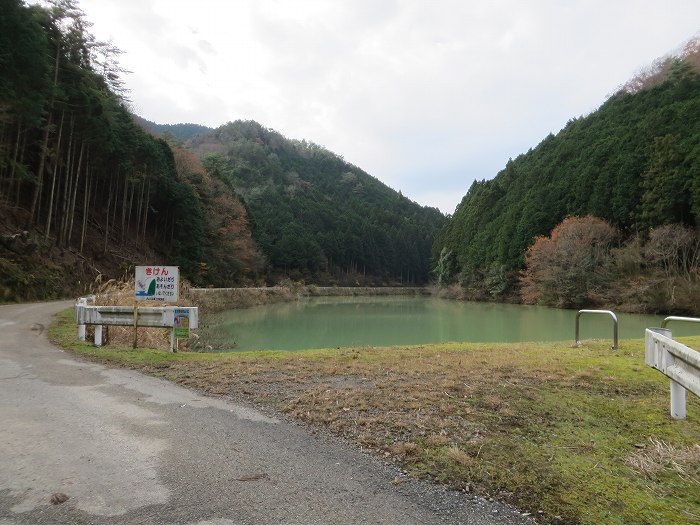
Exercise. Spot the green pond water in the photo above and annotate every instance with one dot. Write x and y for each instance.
(332, 322)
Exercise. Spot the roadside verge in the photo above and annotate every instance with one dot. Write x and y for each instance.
(572, 435)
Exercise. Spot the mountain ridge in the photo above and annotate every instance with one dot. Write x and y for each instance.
(311, 210)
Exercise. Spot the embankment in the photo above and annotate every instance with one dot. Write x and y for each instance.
(218, 299)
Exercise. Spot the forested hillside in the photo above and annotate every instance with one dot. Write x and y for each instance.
(635, 162)
(313, 213)
(83, 189)
(88, 189)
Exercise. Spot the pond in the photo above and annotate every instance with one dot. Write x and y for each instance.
(332, 322)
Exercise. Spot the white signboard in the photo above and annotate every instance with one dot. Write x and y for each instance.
(157, 283)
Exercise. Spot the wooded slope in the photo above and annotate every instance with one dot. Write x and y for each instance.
(314, 212)
(87, 188)
(634, 162)
(83, 189)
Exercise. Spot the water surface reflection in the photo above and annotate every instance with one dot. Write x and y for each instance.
(329, 322)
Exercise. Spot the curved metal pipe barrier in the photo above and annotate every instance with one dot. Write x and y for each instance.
(674, 318)
(607, 312)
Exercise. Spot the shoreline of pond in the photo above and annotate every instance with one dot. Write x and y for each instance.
(221, 299)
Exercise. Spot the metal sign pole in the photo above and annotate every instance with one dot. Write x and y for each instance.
(136, 325)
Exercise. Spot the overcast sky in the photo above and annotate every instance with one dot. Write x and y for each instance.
(427, 96)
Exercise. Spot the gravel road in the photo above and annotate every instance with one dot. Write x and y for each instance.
(131, 449)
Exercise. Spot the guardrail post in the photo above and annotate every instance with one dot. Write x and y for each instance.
(608, 312)
(680, 363)
(136, 327)
(98, 335)
(678, 410)
(678, 402)
(81, 327)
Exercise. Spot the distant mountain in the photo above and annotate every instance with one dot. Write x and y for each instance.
(634, 162)
(312, 212)
(181, 132)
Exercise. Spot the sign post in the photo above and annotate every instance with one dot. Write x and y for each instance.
(181, 326)
(157, 283)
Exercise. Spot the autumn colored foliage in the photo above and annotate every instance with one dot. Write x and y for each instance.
(564, 269)
(583, 263)
(228, 250)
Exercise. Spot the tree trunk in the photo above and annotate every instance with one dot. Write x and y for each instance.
(68, 186)
(75, 191)
(124, 196)
(44, 143)
(53, 180)
(145, 210)
(116, 190)
(13, 168)
(86, 200)
(21, 161)
(131, 205)
(139, 207)
(109, 202)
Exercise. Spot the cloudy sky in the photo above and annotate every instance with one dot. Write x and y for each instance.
(427, 96)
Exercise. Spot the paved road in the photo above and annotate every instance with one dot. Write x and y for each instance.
(131, 449)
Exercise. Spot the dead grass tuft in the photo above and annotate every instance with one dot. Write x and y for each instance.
(437, 440)
(405, 449)
(459, 456)
(661, 457)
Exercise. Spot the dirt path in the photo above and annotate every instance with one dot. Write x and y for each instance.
(126, 448)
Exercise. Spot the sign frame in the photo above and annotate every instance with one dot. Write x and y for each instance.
(157, 282)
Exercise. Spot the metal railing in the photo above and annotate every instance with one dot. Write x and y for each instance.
(159, 317)
(674, 318)
(606, 312)
(678, 362)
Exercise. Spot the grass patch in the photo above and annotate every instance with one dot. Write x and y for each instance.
(582, 434)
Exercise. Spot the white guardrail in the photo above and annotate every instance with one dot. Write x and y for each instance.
(157, 317)
(678, 362)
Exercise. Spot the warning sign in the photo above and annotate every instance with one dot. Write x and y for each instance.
(157, 283)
